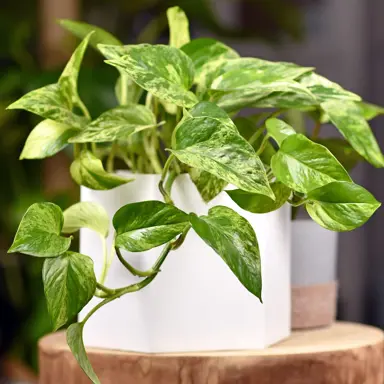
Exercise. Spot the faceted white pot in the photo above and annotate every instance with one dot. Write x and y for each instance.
(314, 276)
(195, 303)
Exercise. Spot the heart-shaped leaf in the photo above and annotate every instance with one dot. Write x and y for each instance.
(76, 344)
(303, 165)
(69, 284)
(279, 130)
(88, 170)
(341, 206)
(145, 225)
(81, 30)
(207, 55)
(207, 139)
(51, 103)
(257, 203)
(39, 232)
(86, 214)
(233, 238)
(208, 185)
(165, 71)
(349, 120)
(325, 90)
(46, 139)
(68, 79)
(178, 27)
(117, 123)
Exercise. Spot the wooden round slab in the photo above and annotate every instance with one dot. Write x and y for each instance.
(345, 353)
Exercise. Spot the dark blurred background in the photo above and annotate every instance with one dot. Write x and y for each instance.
(344, 39)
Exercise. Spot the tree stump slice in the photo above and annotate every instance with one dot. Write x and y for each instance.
(344, 353)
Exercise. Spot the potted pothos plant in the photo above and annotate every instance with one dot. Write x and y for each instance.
(176, 125)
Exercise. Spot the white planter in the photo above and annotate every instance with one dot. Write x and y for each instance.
(314, 275)
(195, 303)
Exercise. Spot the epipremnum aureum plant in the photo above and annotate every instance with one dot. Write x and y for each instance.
(178, 113)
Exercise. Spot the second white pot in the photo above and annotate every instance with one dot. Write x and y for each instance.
(195, 303)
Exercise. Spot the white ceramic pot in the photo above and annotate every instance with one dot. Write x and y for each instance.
(314, 286)
(195, 303)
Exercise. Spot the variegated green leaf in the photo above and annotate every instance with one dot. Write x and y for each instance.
(370, 111)
(69, 284)
(349, 120)
(208, 185)
(164, 71)
(256, 203)
(325, 90)
(111, 52)
(303, 165)
(207, 55)
(341, 206)
(81, 30)
(76, 344)
(86, 214)
(207, 139)
(148, 224)
(50, 102)
(117, 123)
(68, 79)
(233, 238)
(88, 170)
(39, 232)
(178, 27)
(279, 130)
(46, 139)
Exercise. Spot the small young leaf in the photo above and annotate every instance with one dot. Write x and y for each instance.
(325, 90)
(207, 55)
(208, 140)
(88, 170)
(303, 165)
(341, 206)
(81, 30)
(145, 225)
(117, 123)
(257, 203)
(349, 120)
(279, 130)
(178, 27)
(86, 215)
(164, 71)
(69, 284)
(233, 238)
(39, 232)
(46, 139)
(68, 79)
(76, 344)
(208, 185)
(49, 102)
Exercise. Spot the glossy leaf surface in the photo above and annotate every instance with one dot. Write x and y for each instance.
(145, 225)
(39, 232)
(349, 120)
(279, 130)
(233, 238)
(69, 284)
(88, 170)
(46, 139)
(303, 165)
(86, 214)
(207, 139)
(117, 123)
(341, 206)
(208, 185)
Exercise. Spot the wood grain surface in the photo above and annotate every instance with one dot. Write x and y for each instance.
(344, 353)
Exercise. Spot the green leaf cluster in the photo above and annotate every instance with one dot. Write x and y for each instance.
(177, 112)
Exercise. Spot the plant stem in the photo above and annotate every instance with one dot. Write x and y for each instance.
(133, 270)
(263, 145)
(111, 157)
(295, 211)
(297, 203)
(316, 130)
(105, 260)
(166, 196)
(76, 150)
(151, 152)
(256, 135)
(84, 109)
(124, 89)
(103, 288)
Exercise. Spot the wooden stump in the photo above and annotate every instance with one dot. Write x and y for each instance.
(345, 353)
